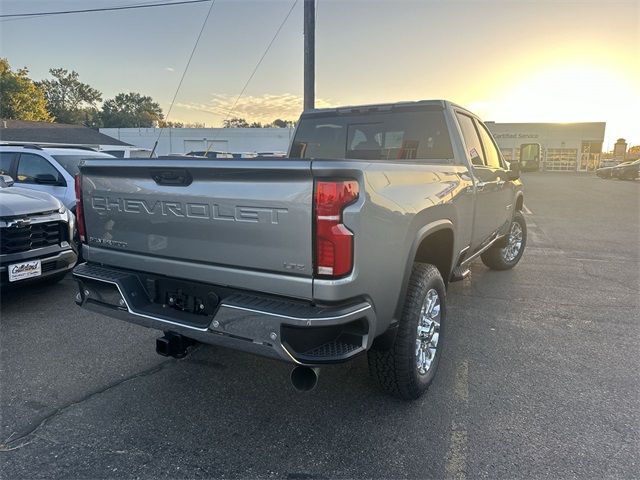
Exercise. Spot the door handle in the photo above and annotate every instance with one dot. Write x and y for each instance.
(174, 177)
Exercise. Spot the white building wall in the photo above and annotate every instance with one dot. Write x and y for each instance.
(183, 140)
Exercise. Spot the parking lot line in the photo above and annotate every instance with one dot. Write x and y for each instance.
(456, 466)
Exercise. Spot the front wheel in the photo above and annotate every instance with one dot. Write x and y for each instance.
(408, 367)
(507, 255)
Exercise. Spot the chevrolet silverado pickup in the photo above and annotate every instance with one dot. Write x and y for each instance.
(344, 247)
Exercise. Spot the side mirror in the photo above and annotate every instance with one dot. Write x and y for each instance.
(514, 171)
(46, 179)
(5, 181)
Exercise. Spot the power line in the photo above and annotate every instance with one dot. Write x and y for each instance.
(184, 72)
(255, 69)
(105, 9)
(42, 15)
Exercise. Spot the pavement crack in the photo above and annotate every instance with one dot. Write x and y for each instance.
(606, 278)
(21, 439)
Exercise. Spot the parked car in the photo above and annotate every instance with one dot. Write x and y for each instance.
(36, 232)
(244, 154)
(604, 172)
(346, 248)
(129, 152)
(209, 154)
(272, 154)
(45, 169)
(627, 170)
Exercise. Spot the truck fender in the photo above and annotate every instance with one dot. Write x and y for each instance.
(519, 201)
(421, 234)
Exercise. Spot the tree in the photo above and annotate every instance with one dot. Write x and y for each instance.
(20, 98)
(235, 122)
(279, 123)
(69, 100)
(129, 110)
(168, 124)
(194, 125)
(171, 124)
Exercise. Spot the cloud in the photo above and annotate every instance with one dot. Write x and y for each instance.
(170, 69)
(260, 108)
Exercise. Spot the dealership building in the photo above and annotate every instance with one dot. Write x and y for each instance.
(564, 146)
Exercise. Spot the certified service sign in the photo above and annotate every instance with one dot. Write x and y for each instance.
(20, 271)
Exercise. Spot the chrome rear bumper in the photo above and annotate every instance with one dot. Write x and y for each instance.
(289, 330)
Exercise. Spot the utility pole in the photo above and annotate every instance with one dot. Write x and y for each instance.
(309, 54)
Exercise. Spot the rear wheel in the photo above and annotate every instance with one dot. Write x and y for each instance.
(407, 369)
(507, 255)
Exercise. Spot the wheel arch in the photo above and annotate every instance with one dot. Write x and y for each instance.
(519, 201)
(434, 243)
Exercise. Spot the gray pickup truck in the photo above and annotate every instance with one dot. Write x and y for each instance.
(345, 246)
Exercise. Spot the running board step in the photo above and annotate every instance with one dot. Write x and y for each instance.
(459, 273)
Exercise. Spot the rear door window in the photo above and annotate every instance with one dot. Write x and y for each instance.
(71, 162)
(388, 135)
(471, 140)
(31, 165)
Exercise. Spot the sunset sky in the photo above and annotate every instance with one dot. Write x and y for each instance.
(509, 61)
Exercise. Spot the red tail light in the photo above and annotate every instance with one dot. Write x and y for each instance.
(334, 241)
(79, 209)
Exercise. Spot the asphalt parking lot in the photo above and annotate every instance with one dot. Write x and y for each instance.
(540, 377)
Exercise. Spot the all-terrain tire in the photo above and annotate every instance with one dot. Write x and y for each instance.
(496, 257)
(396, 369)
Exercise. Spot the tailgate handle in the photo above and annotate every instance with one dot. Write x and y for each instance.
(174, 177)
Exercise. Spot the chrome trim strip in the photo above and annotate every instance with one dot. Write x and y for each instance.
(150, 317)
(54, 216)
(482, 250)
(57, 256)
(222, 305)
(301, 319)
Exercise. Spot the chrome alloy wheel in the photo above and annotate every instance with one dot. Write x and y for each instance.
(428, 331)
(514, 243)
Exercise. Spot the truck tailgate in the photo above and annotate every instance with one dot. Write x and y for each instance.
(246, 214)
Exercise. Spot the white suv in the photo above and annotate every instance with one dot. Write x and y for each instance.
(45, 169)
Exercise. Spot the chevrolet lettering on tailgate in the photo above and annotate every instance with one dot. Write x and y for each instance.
(207, 211)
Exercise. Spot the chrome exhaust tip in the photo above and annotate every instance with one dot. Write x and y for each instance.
(304, 379)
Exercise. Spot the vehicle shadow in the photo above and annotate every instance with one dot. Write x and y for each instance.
(223, 413)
